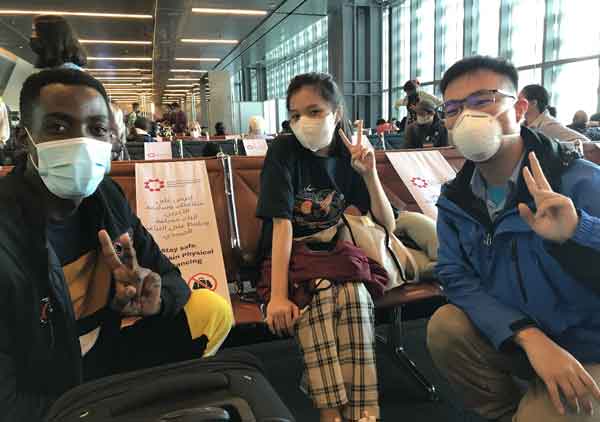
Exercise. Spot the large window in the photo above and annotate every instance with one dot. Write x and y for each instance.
(304, 52)
(555, 43)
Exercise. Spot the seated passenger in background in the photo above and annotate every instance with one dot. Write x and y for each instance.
(580, 121)
(428, 130)
(584, 126)
(383, 127)
(307, 181)
(75, 260)
(140, 132)
(257, 128)
(220, 129)
(519, 242)
(538, 117)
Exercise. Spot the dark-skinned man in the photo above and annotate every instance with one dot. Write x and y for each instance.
(75, 260)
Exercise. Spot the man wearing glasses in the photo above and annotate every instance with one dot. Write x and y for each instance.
(519, 234)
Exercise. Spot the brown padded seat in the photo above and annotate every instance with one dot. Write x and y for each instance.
(246, 178)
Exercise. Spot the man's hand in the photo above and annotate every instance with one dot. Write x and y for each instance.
(282, 313)
(137, 289)
(362, 156)
(559, 370)
(556, 218)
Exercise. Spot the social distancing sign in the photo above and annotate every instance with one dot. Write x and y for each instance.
(175, 205)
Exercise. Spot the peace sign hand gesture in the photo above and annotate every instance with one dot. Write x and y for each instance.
(137, 289)
(556, 218)
(362, 157)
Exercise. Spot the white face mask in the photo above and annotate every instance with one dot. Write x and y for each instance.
(72, 168)
(423, 120)
(314, 133)
(477, 134)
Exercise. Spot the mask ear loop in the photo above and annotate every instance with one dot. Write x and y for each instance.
(34, 147)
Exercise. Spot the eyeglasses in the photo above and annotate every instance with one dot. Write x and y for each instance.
(476, 100)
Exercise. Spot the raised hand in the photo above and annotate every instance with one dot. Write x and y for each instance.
(556, 217)
(362, 156)
(137, 289)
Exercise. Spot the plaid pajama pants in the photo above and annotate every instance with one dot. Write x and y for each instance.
(336, 334)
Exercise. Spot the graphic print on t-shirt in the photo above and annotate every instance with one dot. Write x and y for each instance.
(316, 210)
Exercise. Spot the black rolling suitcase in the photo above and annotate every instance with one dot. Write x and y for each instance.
(229, 387)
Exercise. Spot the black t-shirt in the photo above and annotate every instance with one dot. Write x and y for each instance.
(309, 190)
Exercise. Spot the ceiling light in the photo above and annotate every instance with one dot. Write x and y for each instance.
(123, 78)
(184, 79)
(181, 85)
(189, 70)
(241, 12)
(65, 13)
(131, 85)
(115, 42)
(123, 59)
(132, 90)
(208, 41)
(199, 59)
(99, 69)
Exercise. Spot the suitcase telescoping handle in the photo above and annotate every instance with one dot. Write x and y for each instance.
(172, 386)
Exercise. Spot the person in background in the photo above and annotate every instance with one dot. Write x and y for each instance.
(141, 131)
(55, 44)
(285, 127)
(220, 129)
(595, 119)
(179, 119)
(120, 139)
(257, 128)
(394, 123)
(538, 116)
(580, 122)
(428, 130)
(4, 125)
(413, 93)
(307, 181)
(518, 233)
(75, 260)
(166, 116)
(133, 116)
(195, 130)
(383, 127)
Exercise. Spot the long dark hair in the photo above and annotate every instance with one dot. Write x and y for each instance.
(58, 42)
(539, 94)
(326, 87)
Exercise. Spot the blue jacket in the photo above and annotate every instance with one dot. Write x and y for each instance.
(506, 277)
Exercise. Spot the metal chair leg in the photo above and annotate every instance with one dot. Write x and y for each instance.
(394, 340)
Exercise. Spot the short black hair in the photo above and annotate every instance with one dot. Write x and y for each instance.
(475, 63)
(538, 94)
(142, 123)
(409, 86)
(59, 43)
(135, 105)
(32, 87)
(175, 105)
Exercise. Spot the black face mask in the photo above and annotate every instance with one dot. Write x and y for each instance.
(36, 45)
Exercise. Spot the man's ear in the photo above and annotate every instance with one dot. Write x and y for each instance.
(521, 107)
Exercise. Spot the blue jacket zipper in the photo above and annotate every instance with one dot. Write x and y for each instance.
(515, 258)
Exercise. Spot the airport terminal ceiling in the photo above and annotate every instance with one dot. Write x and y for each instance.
(158, 30)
